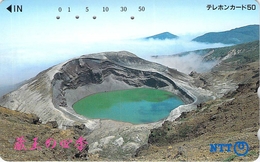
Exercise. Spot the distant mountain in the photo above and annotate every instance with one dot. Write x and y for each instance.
(245, 53)
(8, 88)
(235, 36)
(163, 36)
(207, 59)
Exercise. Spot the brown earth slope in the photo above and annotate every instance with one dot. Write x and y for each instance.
(15, 124)
(227, 119)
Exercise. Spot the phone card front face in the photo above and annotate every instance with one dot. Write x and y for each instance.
(107, 80)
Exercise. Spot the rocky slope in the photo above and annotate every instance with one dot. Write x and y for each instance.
(51, 94)
(233, 116)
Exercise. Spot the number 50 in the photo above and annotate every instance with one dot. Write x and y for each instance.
(141, 8)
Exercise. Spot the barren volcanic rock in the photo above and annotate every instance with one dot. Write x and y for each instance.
(51, 94)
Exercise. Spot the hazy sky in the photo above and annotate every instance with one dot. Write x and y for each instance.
(37, 22)
(33, 40)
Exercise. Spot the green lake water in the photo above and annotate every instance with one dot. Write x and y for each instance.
(140, 105)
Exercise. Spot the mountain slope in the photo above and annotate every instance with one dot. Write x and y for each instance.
(163, 36)
(233, 116)
(216, 54)
(15, 124)
(235, 36)
(207, 58)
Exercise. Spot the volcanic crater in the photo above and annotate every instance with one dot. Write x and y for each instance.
(51, 94)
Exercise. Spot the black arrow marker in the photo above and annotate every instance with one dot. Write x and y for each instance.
(9, 8)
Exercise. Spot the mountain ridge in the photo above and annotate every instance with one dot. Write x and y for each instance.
(163, 36)
(238, 35)
(218, 53)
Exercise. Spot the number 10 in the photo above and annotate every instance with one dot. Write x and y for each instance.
(105, 9)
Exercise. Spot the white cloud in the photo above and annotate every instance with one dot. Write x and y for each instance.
(23, 61)
(187, 63)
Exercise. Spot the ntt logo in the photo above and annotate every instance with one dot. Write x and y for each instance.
(240, 148)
